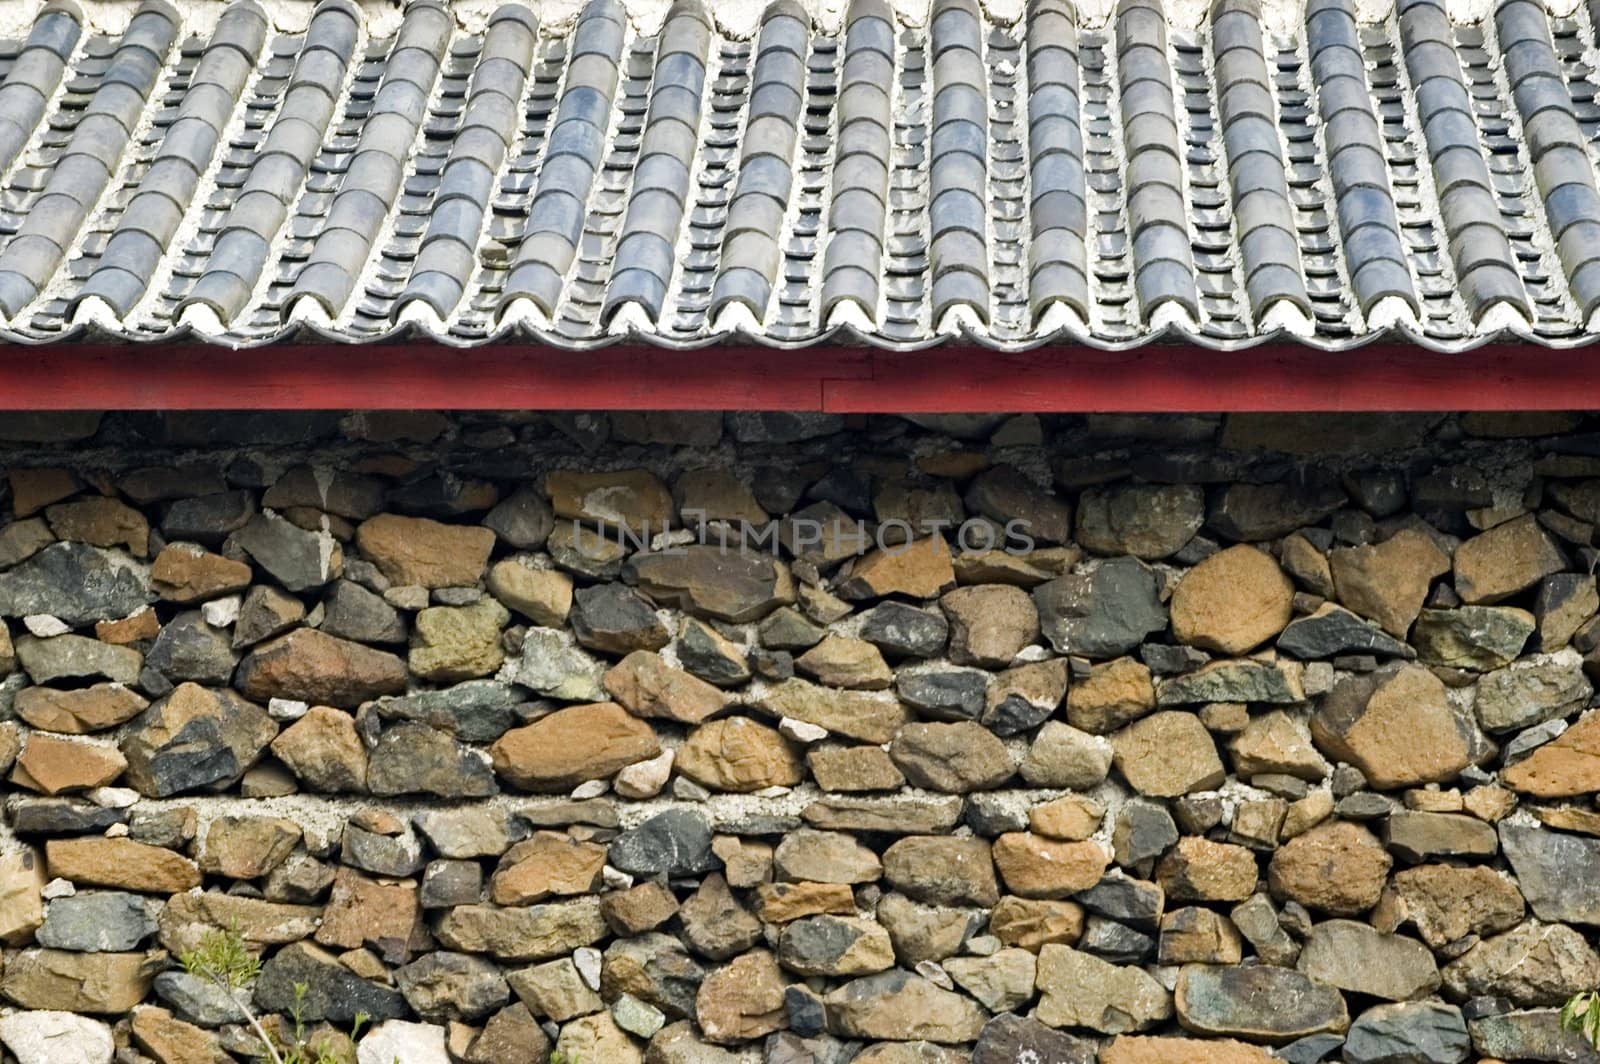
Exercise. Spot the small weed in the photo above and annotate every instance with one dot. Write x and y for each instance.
(1582, 1014)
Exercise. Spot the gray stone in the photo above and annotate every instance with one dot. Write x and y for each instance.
(332, 991)
(295, 558)
(76, 583)
(1532, 693)
(416, 759)
(1412, 1033)
(1252, 513)
(1534, 1035)
(190, 649)
(99, 922)
(943, 693)
(1472, 637)
(1013, 1039)
(443, 986)
(477, 711)
(1362, 960)
(1532, 964)
(675, 843)
(1240, 680)
(904, 631)
(523, 520)
(1148, 521)
(1332, 631)
(1104, 613)
(1144, 830)
(553, 665)
(352, 612)
(710, 656)
(1259, 1003)
(1559, 874)
(76, 657)
(196, 999)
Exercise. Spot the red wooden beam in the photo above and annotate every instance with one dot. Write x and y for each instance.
(1173, 377)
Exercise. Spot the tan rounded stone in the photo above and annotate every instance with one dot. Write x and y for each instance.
(1396, 725)
(1336, 867)
(1198, 869)
(544, 596)
(1505, 560)
(920, 569)
(425, 553)
(1031, 923)
(1036, 867)
(572, 745)
(1115, 694)
(551, 863)
(121, 864)
(839, 661)
(1388, 582)
(324, 751)
(737, 754)
(742, 1000)
(1168, 755)
(989, 624)
(1232, 602)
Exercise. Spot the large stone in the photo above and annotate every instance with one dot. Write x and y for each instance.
(297, 559)
(46, 1037)
(1567, 767)
(52, 765)
(76, 583)
(938, 870)
(1336, 867)
(120, 864)
(900, 630)
(189, 648)
(1236, 680)
(79, 711)
(674, 843)
(707, 581)
(454, 643)
(544, 596)
(1396, 725)
(1388, 582)
(195, 737)
(952, 758)
(829, 857)
(1276, 743)
(444, 986)
(920, 569)
(324, 751)
(1148, 521)
(1114, 694)
(1007, 497)
(1447, 902)
(310, 666)
(989, 624)
(1260, 1003)
(185, 574)
(534, 933)
(899, 1006)
(633, 500)
(742, 1000)
(101, 983)
(1252, 513)
(76, 657)
(1418, 835)
(1079, 990)
(1200, 869)
(1532, 692)
(572, 745)
(1063, 756)
(1472, 637)
(1168, 755)
(646, 686)
(1558, 873)
(1409, 1033)
(839, 946)
(1104, 613)
(1532, 964)
(615, 619)
(1010, 1038)
(1132, 1049)
(1036, 867)
(246, 847)
(414, 551)
(1332, 631)
(310, 981)
(1508, 558)
(1232, 602)
(1535, 1035)
(554, 665)
(1361, 960)
(737, 754)
(416, 759)
(869, 716)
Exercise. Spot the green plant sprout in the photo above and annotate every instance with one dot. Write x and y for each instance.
(1582, 1014)
(223, 958)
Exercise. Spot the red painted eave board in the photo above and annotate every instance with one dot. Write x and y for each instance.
(1155, 378)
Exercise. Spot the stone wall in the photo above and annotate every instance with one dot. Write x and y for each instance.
(1244, 733)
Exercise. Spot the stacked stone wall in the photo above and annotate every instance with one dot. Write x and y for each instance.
(701, 738)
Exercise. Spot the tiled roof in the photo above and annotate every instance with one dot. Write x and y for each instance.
(1017, 183)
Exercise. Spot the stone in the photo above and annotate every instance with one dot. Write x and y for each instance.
(1004, 495)
(1001, 982)
(1530, 693)
(780, 903)
(839, 661)
(712, 583)
(853, 768)
(1277, 743)
(189, 648)
(172, 1041)
(1408, 1033)
(1022, 698)
(1472, 637)
(1252, 513)
(544, 596)
(1261, 1003)
(1536, 1034)
(1104, 613)
(989, 624)
(930, 933)
(638, 909)
(1396, 725)
(548, 864)
(1167, 755)
(184, 573)
(32, 489)
(1199, 869)
(1148, 521)
(53, 765)
(80, 711)
(867, 716)
(553, 665)
(741, 1000)
(1532, 964)
(297, 559)
(1232, 602)
(422, 1043)
(1078, 990)
(523, 520)
(1239, 680)
(331, 991)
(899, 1006)
(1447, 903)
(1566, 767)
(1506, 559)
(454, 643)
(1009, 1038)
(1333, 630)
(825, 857)
(935, 869)
(324, 752)
(952, 758)
(76, 583)
(195, 737)
(902, 631)
(1063, 756)
(21, 540)
(615, 619)
(46, 1037)
(646, 686)
(246, 847)
(534, 933)
(265, 612)
(555, 990)
(1143, 831)
(711, 656)
(1130, 1049)
(310, 666)
(1421, 836)
(944, 693)
(416, 759)
(1564, 603)
(842, 946)
(22, 883)
(1388, 582)
(1336, 867)
(920, 569)
(75, 657)
(416, 551)
(562, 750)
(737, 754)
(1361, 960)
(1116, 693)
(1194, 935)
(1035, 867)
(100, 983)
(632, 499)
(674, 843)
(1071, 818)
(444, 986)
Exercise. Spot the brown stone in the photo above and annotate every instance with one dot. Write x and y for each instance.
(1336, 867)
(639, 909)
(1508, 558)
(169, 1040)
(737, 754)
(105, 983)
(1198, 869)
(1396, 725)
(549, 864)
(121, 864)
(1036, 867)
(632, 499)
(942, 870)
(1232, 602)
(1116, 693)
(311, 666)
(1072, 818)
(365, 912)
(80, 711)
(140, 626)
(840, 661)
(185, 574)
(1447, 903)
(920, 569)
(1131, 1049)
(868, 716)
(825, 857)
(34, 489)
(454, 643)
(713, 494)
(416, 551)
(1277, 743)
(158, 761)
(188, 917)
(953, 758)
(1031, 923)
(1389, 581)
(59, 766)
(324, 751)
(898, 1006)
(646, 686)
(853, 768)
(742, 1000)
(572, 745)
(247, 847)
(711, 582)
(1168, 755)
(989, 624)
(22, 883)
(1080, 990)
(544, 596)
(780, 903)
(1194, 935)
(1564, 768)
(102, 523)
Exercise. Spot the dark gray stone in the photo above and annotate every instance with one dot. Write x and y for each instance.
(190, 649)
(616, 619)
(1013, 1039)
(1534, 1035)
(352, 612)
(443, 986)
(477, 711)
(1421, 1032)
(1104, 613)
(523, 520)
(295, 558)
(944, 693)
(332, 991)
(675, 843)
(98, 922)
(76, 583)
(1559, 874)
(904, 631)
(1332, 631)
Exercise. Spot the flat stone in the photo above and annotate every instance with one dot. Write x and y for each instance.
(1361, 960)
(79, 711)
(101, 983)
(854, 768)
(1566, 767)
(706, 581)
(842, 946)
(897, 1005)
(77, 583)
(1388, 582)
(172, 1041)
(1535, 1034)
(1078, 990)
(1410, 1033)
(645, 685)
(952, 758)
(185, 574)
(868, 716)
(1530, 693)
(1261, 1003)
(52, 765)
(1240, 680)
(533, 933)
(1396, 725)
(1333, 630)
(45, 1037)
(1508, 558)
(1447, 903)
(1420, 836)
(675, 843)
(1035, 867)
(1131, 1049)
(416, 551)
(1252, 513)
(297, 559)
(1532, 964)
(76, 657)
(900, 630)
(246, 847)
(898, 815)
(1104, 613)
(562, 750)
(332, 992)
(309, 666)
(839, 661)
(1009, 1038)
(1472, 637)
